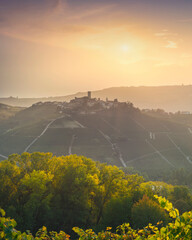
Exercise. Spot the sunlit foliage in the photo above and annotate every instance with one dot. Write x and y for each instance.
(60, 193)
(180, 228)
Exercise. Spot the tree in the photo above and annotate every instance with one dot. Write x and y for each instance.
(34, 197)
(9, 178)
(147, 211)
(117, 212)
(111, 182)
(74, 184)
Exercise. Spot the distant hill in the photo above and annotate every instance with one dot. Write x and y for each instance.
(7, 111)
(169, 98)
(149, 142)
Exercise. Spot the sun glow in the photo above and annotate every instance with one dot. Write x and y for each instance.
(125, 48)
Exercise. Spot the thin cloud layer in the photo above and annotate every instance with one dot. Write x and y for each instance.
(39, 18)
(49, 22)
(74, 45)
(171, 44)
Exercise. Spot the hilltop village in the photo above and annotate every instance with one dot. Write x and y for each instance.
(88, 105)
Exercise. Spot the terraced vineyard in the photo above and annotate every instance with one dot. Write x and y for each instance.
(121, 138)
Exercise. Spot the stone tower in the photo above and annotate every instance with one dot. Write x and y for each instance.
(89, 94)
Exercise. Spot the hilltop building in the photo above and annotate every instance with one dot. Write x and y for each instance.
(89, 94)
(87, 104)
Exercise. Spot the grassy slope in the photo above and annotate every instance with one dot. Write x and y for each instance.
(17, 132)
(8, 111)
(130, 132)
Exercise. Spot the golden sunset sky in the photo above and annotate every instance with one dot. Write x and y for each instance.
(58, 47)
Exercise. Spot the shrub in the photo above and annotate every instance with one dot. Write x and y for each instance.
(147, 211)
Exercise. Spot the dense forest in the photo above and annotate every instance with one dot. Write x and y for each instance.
(180, 228)
(61, 193)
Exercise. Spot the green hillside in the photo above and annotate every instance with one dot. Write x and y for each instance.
(122, 137)
(8, 111)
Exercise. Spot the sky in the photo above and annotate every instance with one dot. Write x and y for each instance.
(59, 47)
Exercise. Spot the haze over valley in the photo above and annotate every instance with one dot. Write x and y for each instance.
(168, 98)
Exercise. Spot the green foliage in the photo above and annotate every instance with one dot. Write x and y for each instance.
(147, 211)
(159, 188)
(8, 231)
(181, 192)
(40, 189)
(60, 192)
(179, 229)
(117, 212)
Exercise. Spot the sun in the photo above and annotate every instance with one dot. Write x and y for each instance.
(125, 48)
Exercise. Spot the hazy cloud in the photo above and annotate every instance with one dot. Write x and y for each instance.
(161, 34)
(165, 33)
(49, 21)
(165, 64)
(171, 44)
